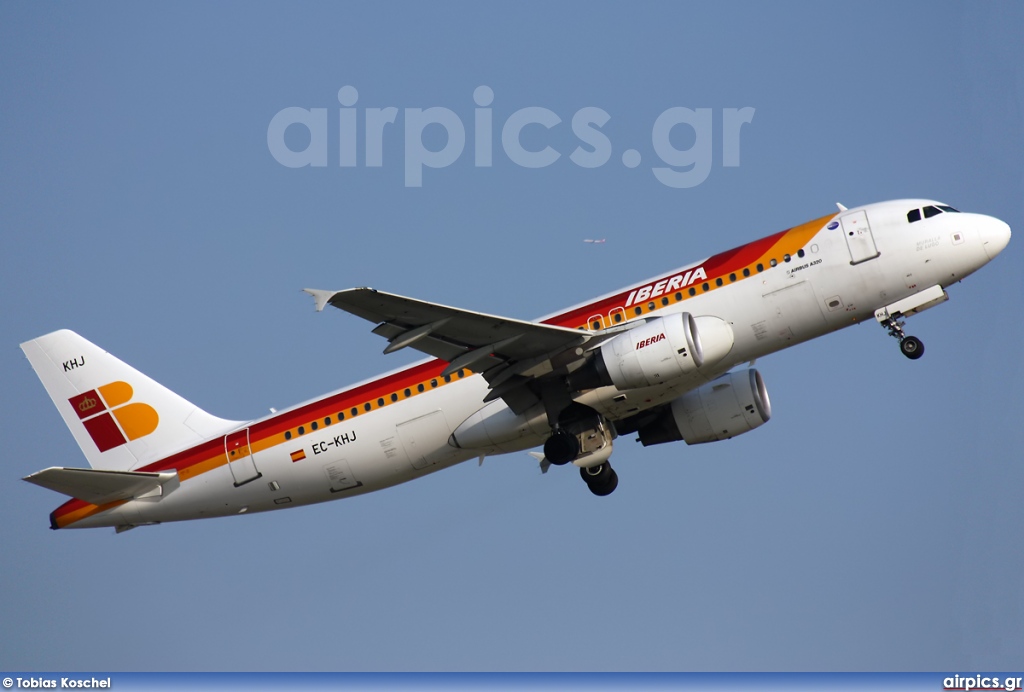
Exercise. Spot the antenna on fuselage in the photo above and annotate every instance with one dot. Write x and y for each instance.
(841, 207)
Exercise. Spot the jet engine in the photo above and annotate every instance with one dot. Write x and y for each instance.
(658, 351)
(730, 405)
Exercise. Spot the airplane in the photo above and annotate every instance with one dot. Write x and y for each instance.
(667, 359)
(595, 242)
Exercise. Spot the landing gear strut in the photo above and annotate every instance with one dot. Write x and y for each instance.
(582, 436)
(910, 346)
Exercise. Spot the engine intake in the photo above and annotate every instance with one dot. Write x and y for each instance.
(730, 405)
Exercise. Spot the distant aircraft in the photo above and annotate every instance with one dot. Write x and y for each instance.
(588, 240)
(665, 359)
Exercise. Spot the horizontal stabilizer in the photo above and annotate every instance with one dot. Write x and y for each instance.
(99, 487)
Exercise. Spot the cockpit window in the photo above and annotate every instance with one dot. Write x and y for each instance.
(945, 207)
(914, 215)
(930, 211)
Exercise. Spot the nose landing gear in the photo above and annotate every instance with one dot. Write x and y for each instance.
(910, 346)
(891, 317)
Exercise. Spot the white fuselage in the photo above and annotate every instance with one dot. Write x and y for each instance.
(812, 291)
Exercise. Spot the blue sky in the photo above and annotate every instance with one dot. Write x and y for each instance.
(874, 524)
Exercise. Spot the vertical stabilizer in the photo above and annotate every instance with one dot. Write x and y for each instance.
(119, 417)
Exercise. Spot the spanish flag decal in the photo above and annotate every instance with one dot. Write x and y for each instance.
(298, 455)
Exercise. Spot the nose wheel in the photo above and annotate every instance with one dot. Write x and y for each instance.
(910, 346)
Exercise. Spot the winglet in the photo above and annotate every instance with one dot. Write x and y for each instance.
(841, 207)
(321, 297)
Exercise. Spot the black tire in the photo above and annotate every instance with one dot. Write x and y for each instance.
(608, 487)
(561, 448)
(596, 475)
(912, 347)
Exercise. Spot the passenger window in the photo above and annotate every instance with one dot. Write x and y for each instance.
(929, 212)
(913, 215)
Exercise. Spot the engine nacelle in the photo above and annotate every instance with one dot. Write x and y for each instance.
(731, 405)
(660, 350)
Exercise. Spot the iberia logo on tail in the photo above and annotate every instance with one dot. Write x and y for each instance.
(108, 417)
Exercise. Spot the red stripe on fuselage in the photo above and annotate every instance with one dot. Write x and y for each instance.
(718, 265)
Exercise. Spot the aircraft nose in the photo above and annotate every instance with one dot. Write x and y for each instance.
(995, 236)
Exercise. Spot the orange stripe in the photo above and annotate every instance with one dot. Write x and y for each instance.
(76, 515)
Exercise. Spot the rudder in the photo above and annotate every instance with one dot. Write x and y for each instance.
(120, 418)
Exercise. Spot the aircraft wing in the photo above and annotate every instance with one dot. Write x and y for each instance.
(505, 350)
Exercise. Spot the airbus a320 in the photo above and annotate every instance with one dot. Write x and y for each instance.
(667, 359)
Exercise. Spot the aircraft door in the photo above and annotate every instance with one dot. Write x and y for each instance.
(239, 456)
(859, 239)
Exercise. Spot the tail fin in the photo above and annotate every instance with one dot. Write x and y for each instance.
(120, 418)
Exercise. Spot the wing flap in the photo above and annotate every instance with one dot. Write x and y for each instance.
(98, 486)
